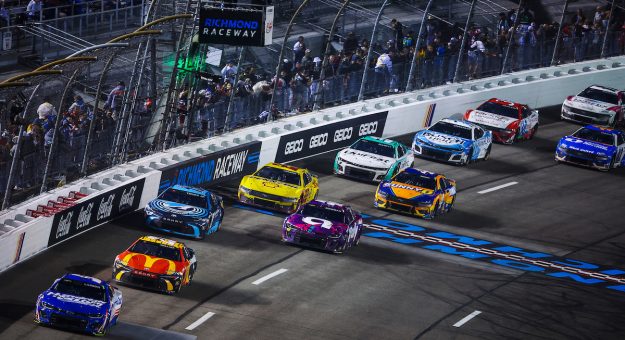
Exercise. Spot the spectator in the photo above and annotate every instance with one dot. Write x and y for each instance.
(307, 61)
(229, 71)
(382, 71)
(398, 35)
(5, 18)
(78, 107)
(503, 25)
(598, 18)
(33, 9)
(579, 18)
(299, 49)
(408, 40)
(476, 54)
(114, 99)
(350, 45)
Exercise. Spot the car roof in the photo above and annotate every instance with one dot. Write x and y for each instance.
(506, 103)
(192, 190)
(285, 167)
(83, 278)
(604, 129)
(425, 173)
(328, 204)
(161, 240)
(604, 88)
(380, 140)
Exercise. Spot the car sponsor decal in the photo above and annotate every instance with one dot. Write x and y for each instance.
(149, 263)
(76, 299)
(576, 141)
(316, 140)
(429, 115)
(440, 139)
(490, 119)
(213, 168)
(178, 209)
(95, 210)
(590, 102)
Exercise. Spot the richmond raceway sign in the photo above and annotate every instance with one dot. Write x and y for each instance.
(329, 137)
(95, 210)
(214, 168)
(236, 27)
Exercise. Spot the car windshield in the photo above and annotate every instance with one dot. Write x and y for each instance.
(600, 95)
(156, 250)
(185, 197)
(82, 289)
(280, 175)
(374, 147)
(451, 129)
(324, 213)
(595, 136)
(498, 109)
(416, 180)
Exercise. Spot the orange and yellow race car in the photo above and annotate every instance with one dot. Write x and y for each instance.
(279, 187)
(156, 263)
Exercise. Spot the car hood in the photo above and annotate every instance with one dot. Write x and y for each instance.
(150, 264)
(405, 191)
(74, 303)
(589, 104)
(443, 140)
(317, 226)
(366, 158)
(587, 146)
(270, 187)
(178, 210)
(490, 119)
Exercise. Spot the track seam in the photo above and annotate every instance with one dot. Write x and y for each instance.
(219, 292)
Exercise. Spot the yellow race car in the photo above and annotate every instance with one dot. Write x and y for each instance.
(279, 187)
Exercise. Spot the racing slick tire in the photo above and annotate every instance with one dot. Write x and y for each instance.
(534, 130)
(468, 160)
(487, 155)
(451, 205)
(343, 248)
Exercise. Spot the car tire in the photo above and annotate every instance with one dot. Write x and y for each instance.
(468, 160)
(487, 155)
(534, 130)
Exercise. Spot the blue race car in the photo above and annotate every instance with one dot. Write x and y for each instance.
(79, 303)
(453, 141)
(185, 211)
(593, 146)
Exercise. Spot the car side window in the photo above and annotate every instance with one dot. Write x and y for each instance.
(620, 139)
(307, 178)
(400, 151)
(186, 253)
(350, 215)
(526, 112)
(447, 183)
(479, 133)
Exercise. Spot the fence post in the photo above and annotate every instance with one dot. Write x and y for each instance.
(464, 40)
(413, 64)
(511, 37)
(361, 94)
(607, 29)
(557, 44)
(234, 89)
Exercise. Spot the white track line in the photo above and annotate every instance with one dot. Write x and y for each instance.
(497, 187)
(467, 318)
(269, 276)
(200, 321)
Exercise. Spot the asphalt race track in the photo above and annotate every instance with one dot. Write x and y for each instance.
(392, 286)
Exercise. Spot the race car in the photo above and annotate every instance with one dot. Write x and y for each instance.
(185, 211)
(324, 225)
(79, 303)
(157, 264)
(417, 192)
(595, 105)
(373, 159)
(453, 141)
(593, 146)
(507, 121)
(279, 187)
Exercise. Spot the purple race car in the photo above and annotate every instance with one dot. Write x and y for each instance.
(325, 225)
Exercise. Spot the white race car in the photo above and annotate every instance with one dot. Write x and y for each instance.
(373, 159)
(595, 105)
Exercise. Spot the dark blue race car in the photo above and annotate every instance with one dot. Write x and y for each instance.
(186, 211)
(79, 303)
(593, 146)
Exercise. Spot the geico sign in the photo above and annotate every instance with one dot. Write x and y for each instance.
(343, 134)
(294, 146)
(368, 128)
(318, 140)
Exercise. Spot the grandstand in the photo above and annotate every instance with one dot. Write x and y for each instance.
(134, 80)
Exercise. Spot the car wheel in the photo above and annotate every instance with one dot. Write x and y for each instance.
(611, 163)
(451, 204)
(469, 156)
(487, 155)
(534, 130)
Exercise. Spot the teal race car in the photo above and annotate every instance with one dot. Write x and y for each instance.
(373, 159)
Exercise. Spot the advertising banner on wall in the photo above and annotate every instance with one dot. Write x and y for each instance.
(213, 168)
(329, 137)
(98, 209)
(230, 26)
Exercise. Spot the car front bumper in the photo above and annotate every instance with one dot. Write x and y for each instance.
(425, 212)
(146, 280)
(439, 154)
(70, 320)
(580, 159)
(299, 237)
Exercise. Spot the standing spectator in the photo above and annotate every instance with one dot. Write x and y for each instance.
(229, 71)
(350, 45)
(382, 71)
(579, 17)
(299, 49)
(5, 18)
(33, 9)
(114, 99)
(503, 25)
(307, 61)
(598, 18)
(78, 107)
(398, 35)
(242, 93)
(476, 55)
(439, 63)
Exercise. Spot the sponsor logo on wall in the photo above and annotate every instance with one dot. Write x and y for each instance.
(95, 210)
(18, 249)
(232, 27)
(214, 168)
(329, 137)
